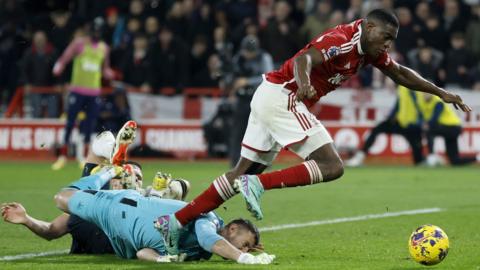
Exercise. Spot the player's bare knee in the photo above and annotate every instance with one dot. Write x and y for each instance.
(331, 169)
(337, 170)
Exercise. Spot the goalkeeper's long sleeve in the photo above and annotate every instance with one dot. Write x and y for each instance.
(95, 181)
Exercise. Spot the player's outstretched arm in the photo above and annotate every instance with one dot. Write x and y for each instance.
(15, 213)
(407, 77)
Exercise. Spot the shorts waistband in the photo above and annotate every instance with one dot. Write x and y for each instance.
(284, 90)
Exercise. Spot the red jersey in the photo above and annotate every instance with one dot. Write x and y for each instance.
(342, 58)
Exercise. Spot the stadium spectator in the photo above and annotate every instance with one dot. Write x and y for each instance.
(426, 61)
(134, 27)
(199, 54)
(169, 62)
(202, 21)
(453, 20)
(114, 111)
(280, 30)
(115, 24)
(91, 62)
(422, 13)
(136, 65)
(209, 76)
(12, 45)
(434, 35)
(217, 130)
(237, 11)
(176, 19)
(317, 22)
(60, 29)
(37, 65)
(248, 66)
(458, 62)
(223, 48)
(406, 39)
(136, 9)
(354, 11)
(337, 17)
(298, 11)
(473, 32)
(152, 26)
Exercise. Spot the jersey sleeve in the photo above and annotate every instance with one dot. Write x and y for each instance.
(206, 231)
(384, 61)
(330, 45)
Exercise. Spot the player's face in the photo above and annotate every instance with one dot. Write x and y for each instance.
(379, 38)
(240, 238)
(116, 184)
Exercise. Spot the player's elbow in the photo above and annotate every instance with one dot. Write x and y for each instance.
(61, 200)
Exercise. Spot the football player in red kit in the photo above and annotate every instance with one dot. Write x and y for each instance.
(279, 117)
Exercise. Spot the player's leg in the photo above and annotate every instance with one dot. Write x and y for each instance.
(413, 135)
(92, 182)
(75, 103)
(359, 156)
(297, 129)
(258, 151)
(125, 137)
(92, 108)
(450, 135)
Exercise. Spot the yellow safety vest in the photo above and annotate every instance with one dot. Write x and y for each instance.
(87, 66)
(448, 117)
(408, 111)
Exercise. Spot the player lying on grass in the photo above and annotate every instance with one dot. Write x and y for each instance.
(280, 118)
(127, 217)
(87, 237)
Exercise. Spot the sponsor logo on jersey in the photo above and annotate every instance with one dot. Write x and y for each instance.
(337, 79)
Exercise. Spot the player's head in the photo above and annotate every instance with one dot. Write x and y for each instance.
(97, 28)
(380, 29)
(117, 183)
(242, 234)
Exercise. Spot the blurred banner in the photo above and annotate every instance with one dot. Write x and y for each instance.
(347, 114)
(34, 139)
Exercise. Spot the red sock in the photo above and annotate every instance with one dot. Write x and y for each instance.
(63, 150)
(304, 174)
(218, 192)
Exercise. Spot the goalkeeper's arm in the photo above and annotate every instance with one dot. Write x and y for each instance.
(226, 250)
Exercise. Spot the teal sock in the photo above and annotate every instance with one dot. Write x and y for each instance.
(95, 181)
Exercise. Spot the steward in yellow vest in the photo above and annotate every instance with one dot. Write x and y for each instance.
(90, 57)
(405, 119)
(442, 121)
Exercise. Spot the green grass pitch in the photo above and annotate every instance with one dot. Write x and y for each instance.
(368, 244)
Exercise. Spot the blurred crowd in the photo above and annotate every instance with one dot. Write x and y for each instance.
(193, 43)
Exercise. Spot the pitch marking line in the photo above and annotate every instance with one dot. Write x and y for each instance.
(351, 219)
(267, 229)
(33, 255)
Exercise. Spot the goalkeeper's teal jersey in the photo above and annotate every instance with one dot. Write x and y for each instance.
(127, 219)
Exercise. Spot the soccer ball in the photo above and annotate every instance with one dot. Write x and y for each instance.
(428, 245)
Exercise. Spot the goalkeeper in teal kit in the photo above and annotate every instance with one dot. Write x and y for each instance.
(127, 219)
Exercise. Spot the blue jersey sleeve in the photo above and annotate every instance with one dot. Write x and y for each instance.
(206, 231)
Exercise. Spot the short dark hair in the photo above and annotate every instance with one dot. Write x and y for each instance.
(134, 163)
(247, 224)
(383, 16)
